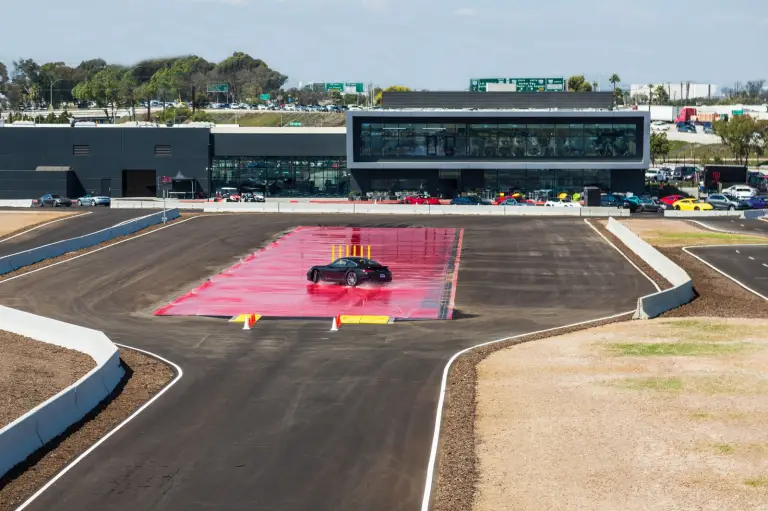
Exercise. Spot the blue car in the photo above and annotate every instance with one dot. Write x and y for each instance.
(94, 200)
(684, 127)
(755, 202)
(514, 202)
(469, 201)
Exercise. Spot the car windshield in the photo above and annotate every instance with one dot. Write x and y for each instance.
(54, 196)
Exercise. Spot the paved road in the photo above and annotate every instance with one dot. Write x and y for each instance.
(737, 225)
(98, 219)
(744, 263)
(289, 416)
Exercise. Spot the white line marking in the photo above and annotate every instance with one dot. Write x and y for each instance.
(766, 265)
(443, 384)
(97, 250)
(738, 251)
(658, 289)
(44, 224)
(179, 374)
(751, 258)
(710, 228)
(687, 251)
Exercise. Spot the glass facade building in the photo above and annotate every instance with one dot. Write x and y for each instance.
(516, 139)
(297, 176)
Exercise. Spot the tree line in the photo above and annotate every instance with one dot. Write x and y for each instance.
(29, 84)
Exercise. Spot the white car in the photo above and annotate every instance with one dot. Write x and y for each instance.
(560, 203)
(659, 126)
(741, 191)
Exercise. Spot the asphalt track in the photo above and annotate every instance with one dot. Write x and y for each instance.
(100, 218)
(743, 263)
(737, 225)
(289, 416)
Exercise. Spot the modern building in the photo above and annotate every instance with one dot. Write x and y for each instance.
(441, 152)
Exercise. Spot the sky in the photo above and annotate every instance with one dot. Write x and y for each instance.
(424, 44)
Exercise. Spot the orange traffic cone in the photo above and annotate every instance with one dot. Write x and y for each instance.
(335, 324)
(249, 320)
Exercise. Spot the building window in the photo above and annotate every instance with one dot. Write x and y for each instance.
(81, 150)
(162, 150)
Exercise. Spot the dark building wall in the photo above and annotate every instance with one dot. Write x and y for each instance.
(29, 184)
(288, 144)
(627, 180)
(497, 100)
(110, 151)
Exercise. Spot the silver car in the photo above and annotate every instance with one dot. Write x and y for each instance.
(94, 200)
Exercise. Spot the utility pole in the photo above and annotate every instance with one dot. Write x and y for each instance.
(50, 105)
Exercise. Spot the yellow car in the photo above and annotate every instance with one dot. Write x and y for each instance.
(691, 205)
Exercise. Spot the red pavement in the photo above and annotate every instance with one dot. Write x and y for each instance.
(272, 282)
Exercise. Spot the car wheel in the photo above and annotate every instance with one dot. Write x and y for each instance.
(677, 208)
(695, 208)
(40, 204)
(351, 279)
(315, 276)
(640, 209)
(93, 203)
(731, 208)
(79, 203)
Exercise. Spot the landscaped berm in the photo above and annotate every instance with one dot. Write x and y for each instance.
(668, 414)
(12, 222)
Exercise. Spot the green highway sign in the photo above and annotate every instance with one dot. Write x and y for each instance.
(337, 86)
(218, 87)
(263, 97)
(519, 84)
(353, 87)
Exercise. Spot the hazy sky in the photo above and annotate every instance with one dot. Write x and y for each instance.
(436, 44)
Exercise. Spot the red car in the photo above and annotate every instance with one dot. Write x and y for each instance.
(671, 199)
(419, 199)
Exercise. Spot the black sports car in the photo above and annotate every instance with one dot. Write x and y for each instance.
(350, 271)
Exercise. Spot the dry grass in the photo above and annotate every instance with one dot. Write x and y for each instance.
(663, 414)
(12, 222)
(679, 233)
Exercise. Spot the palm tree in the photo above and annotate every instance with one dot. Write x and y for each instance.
(614, 79)
(650, 94)
(594, 86)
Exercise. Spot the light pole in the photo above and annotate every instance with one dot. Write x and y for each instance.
(50, 105)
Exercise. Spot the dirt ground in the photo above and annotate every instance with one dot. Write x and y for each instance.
(145, 377)
(13, 222)
(679, 233)
(32, 371)
(666, 414)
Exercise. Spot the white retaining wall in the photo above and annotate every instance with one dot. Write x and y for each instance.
(702, 214)
(15, 261)
(21, 203)
(46, 421)
(406, 209)
(655, 304)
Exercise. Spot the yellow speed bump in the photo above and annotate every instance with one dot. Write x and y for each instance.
(241, 318)
(365, 320)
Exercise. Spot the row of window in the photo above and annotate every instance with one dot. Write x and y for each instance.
(281, 177)
(498, 141)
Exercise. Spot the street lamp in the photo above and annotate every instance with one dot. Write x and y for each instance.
(50, 105)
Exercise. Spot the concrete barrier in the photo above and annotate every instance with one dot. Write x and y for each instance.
(288, 207)
(391, 209)
(15, 261)
(701, 214)
(655, 304)
(240, 207)
(22, 203)
(31, 431)
(593, 212)
(755, 213)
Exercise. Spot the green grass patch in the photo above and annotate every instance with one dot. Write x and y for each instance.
(758, 482)
(700, 237)
(702, 415)
(723, 448)
(672, 349)
(657, 384)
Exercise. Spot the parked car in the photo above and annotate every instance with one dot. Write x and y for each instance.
(350, 271)
(741, 191)
(94, 200)
(659, 126)
(669, 200)
(650, 205)
(687, 173)
(756, 202)
(253, 197)
(421, 199)
(561, 203)
(692, 205)
(684, 127)
(617, 201)
(467, 201)
(655, 175)
(514, 202)
(725, 201)
(54, 200)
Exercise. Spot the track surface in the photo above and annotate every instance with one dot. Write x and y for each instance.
(100, 218)
(290, 416)
(744, 263)
(737, 225)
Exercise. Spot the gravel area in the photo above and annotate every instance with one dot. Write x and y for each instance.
(32, 371)
(664, 414)
(145, 377)
(14, 222)
(70, 255)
